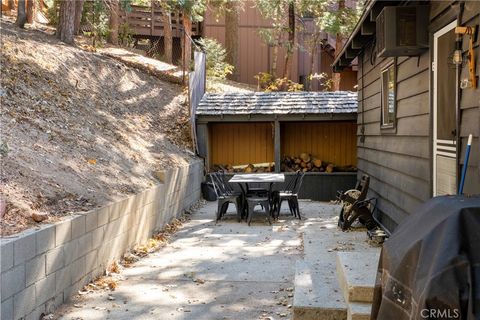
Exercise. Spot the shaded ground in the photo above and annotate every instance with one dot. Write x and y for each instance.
(79, 129)
(223, 271)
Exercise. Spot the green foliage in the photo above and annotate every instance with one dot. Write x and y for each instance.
(267, 83)
(276, 11)
(125, 34)
(194, 8)
(96, 15)
(216, 54)
(330, 19)
(52, 12)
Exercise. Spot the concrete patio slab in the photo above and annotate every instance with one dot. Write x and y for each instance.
(359, 311)
(356, 274)
(229, 270)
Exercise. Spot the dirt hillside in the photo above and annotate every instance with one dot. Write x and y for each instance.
(79, 129)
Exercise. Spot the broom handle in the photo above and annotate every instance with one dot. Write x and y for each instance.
(465, 164)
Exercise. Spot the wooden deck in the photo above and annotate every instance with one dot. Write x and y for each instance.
(147, 21)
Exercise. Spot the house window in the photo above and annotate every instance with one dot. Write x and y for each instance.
(388, 96)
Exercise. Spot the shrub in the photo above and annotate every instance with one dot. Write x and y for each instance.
(216, 54)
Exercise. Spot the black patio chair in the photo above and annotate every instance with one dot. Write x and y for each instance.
(290, 194)
(253, 201)
(225, 196)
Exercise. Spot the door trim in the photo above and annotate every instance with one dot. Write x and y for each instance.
(437, 35)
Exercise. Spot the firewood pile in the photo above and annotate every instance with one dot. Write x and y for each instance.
(308, 163)
(250, 168)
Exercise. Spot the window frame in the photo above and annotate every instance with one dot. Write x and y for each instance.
(390, 127)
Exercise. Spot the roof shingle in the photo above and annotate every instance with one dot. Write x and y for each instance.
(277, 103)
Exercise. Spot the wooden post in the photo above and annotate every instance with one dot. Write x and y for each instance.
(152, 18)
(276, 148)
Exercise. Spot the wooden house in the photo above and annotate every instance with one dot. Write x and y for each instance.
(235, 129)
(255, 56)
(417, 100)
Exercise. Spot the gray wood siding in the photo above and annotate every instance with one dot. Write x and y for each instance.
(470, 107)
(400, 162)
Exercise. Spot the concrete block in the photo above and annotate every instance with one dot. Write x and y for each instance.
(63, 279)
(12, 281)
(72, 290)
(98, 237)
(91, 260)
(24, 248)
(84, 244)
(102, 215)
(58, 301)
(35, 269)
(7, 309)
(6, 256)
(91, 220)
(63, 232)
(359, 311)
(55, 259)
(78, 269)
(356, 273)
(45, 239)
(115, 212)
(317, 295)
(45, 289)
(78, 226)
(36, 313)
(70, 250)
(24, 302)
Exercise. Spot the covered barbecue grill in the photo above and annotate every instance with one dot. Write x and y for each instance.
(430, 266)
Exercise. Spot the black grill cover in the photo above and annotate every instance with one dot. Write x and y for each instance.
(430, 266)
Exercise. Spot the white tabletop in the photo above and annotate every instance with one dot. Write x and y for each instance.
(258, 177)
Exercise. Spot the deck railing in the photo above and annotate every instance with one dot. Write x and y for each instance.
(148, 21)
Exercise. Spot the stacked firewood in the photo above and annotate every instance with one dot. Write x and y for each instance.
(250, 168)
(307, 163)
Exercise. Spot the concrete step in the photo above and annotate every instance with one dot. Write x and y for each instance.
(356, 274)
(359, 311)
(317, 294)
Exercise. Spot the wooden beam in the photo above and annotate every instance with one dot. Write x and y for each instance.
(337, 69)
(277, 147)
(351, 53)
(368, 28)
(377, 8)
(359, 42)
(344, 62)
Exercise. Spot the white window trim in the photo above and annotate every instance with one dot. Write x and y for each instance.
(383, 125)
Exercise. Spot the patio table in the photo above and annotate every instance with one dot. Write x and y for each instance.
(247, 178)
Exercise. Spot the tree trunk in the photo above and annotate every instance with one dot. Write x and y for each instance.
(78, 15)
(66, 21)
(167, 37)
(273, 69)
(21, 14)
(187, 54)
(114, 22)
(30, 10)
(336, 79)
(313, 54)
(11, 4)
(231, 36)
(291, 40)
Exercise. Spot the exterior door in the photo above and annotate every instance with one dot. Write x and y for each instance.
(444, 113)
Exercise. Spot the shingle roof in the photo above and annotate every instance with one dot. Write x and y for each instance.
(277, 103)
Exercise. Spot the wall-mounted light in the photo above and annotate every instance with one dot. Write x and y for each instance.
(457, 58)
(470, 32)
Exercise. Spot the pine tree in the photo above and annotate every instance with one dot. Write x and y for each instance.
(66, 21)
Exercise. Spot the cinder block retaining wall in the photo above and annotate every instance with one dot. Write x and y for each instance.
(42, 268)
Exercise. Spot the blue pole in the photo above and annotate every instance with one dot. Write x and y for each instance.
(465, 165)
